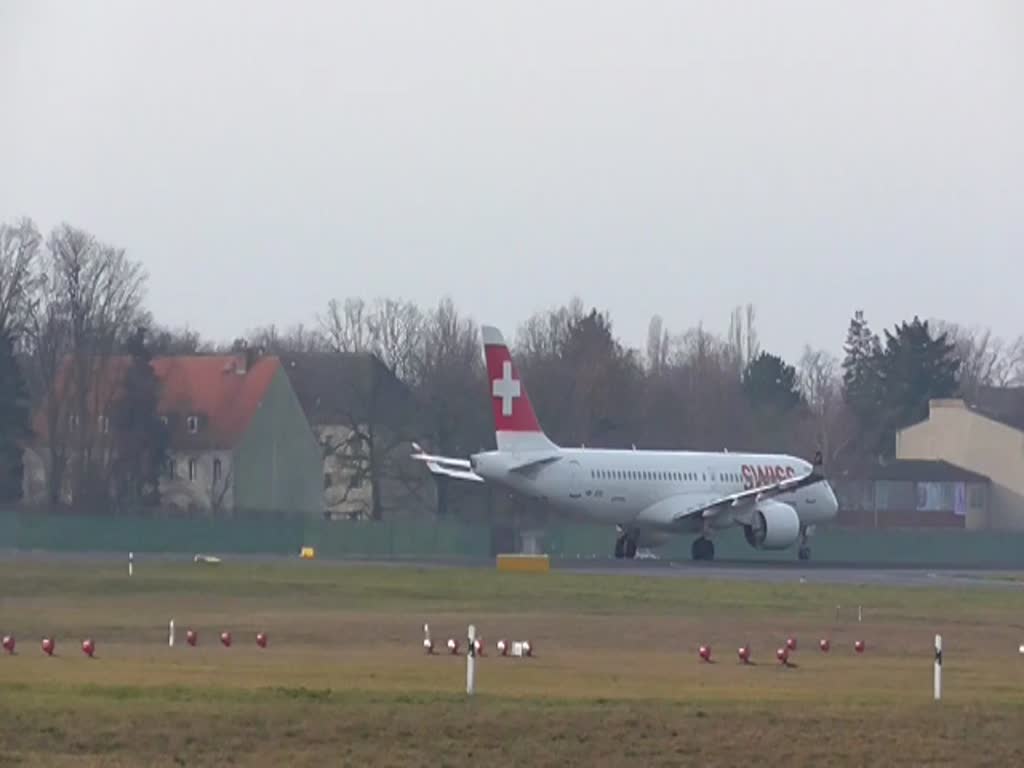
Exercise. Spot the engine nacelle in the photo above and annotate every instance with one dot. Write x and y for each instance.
(776, 526)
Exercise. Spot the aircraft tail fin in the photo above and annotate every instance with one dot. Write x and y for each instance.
(516, 428)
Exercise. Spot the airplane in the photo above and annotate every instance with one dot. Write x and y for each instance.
(649, 496)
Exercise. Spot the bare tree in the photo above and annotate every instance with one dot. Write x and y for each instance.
(297, 338)
(178, 341)
(395, 329)
(220, 486)
(545, 333)
(91, 303)
(708, 371)
(657, 345)
(822, 386)
(985, 360)
(451, 388)
(742, 336)
(379, 345)
(345, 325)
(1015, 363)
(20, 278)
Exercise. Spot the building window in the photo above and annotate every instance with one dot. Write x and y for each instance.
(104, 424)
(216, 470)
(976, 496)
(192, 469)
(193, 424)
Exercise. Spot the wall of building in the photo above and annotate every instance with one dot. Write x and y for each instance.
(911, 504)
(199, 489)
(967, 439)
(278, 464)
(33, 480)
(340, 500)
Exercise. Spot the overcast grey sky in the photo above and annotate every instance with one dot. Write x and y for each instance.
(675, 157)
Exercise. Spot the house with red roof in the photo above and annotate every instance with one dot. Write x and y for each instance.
(239, 439)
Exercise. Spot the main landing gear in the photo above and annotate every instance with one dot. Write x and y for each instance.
(804, 552)
(625, 546)
(702, 549)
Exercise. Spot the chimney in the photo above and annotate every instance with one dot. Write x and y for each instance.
(247, 359)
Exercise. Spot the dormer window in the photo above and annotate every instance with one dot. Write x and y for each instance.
(193, 424)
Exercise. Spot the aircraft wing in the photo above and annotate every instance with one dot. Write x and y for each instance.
(460, 469)
(737, 501)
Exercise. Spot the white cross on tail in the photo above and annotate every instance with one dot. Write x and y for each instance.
(507, 388)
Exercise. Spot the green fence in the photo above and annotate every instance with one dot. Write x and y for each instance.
(446, 539)
(27, 531)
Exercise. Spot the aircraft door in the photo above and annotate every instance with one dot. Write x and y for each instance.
(575, 480)
(711, 480)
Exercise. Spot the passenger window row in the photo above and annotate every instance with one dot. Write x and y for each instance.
(679, 477)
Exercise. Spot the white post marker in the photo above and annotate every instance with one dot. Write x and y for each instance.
(471, 662)
(938, 667)
(170, 634)
(131, 558)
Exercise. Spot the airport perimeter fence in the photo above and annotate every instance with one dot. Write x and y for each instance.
(27, 530)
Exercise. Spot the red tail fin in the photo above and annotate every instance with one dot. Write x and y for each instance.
(515, 424)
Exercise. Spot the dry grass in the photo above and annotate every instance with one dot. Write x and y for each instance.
(615, 680)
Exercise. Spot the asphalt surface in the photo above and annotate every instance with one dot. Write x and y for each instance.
(772, 572)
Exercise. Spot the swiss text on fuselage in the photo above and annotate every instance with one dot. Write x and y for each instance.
(755, 476)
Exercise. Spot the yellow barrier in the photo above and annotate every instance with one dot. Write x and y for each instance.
(307, 553)
(524, 563)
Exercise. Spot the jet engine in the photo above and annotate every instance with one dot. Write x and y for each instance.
(775, 526)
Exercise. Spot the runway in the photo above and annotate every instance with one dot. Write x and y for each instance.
(785, 573)
(773, 572)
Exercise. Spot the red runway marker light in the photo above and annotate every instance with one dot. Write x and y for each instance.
(225, 639)
(48, 646)
(261, 640)
(782, 655)
(744, 654)
(503, 648)
(428, 645)
(478, 646)
(527, 648)
(705, 653)
(88, 647)
(824, 644)
(859, 646)
(453, 646)
(791, 643)
(191, 638)
(9, 643)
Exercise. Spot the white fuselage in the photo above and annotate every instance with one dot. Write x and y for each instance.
(647, 489)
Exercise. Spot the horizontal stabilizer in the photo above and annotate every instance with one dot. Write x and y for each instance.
(458, 474)
(460, 469)
(445, 460)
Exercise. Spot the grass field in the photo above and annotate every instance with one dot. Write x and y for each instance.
(615, 680)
